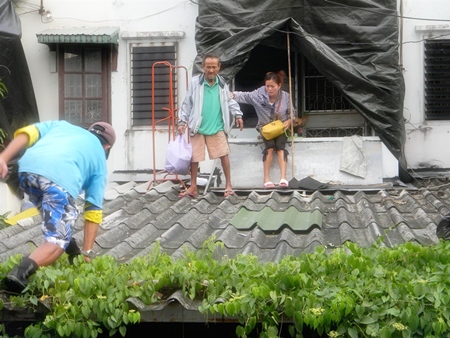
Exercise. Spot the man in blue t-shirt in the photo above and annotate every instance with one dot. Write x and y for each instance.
(61, 160)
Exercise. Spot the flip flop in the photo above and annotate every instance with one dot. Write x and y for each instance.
(269, 185)
(187, 194)
(283, 183)
(228, 193)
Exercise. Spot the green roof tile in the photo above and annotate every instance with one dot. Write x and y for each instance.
(270, 220)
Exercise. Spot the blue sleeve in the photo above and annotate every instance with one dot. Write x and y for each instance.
(44, 127)
(95, 190)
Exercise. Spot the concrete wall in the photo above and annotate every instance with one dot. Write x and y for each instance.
(319, 158)
(426, 143)
(139, 21)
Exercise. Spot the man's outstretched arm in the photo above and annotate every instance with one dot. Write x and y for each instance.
(17, 144)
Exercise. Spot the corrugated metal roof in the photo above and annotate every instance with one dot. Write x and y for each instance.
(135, 219)
(98, 35)
(269, 224)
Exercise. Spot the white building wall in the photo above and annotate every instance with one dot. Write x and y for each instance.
(134, 149)
(137, 18)
(426, 141)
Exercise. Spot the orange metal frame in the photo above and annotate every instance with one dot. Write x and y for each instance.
(170, 118)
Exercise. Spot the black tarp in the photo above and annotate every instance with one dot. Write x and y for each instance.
(353, 43)
(19, 107)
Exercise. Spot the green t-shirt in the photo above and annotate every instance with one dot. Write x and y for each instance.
(212, 120)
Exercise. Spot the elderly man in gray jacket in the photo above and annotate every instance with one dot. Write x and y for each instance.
(206, 110)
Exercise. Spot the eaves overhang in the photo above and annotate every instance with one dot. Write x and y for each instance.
(79, 35)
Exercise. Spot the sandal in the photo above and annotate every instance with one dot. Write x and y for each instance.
(283, 183)
(188, 194)
(269, 185)
(228, 193)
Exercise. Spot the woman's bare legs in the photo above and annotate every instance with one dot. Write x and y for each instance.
(282, 163)
(267, 163)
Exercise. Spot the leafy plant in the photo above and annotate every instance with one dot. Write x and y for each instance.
(3, 332)
(3, 89)
(3, 135)
(3, 219)
(3, 92)
(349, 292)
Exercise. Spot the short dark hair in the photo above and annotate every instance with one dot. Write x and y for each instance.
(210, 56)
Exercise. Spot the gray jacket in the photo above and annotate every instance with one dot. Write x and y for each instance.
(259, 99)
(191, 110)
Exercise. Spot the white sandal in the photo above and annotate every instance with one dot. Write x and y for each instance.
(269, 185)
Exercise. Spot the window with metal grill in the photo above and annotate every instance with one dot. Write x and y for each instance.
(142, 71)
(437, 79)
(320, 95)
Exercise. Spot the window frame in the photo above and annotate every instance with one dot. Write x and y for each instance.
(159, 71)
(428, 93)
(106, 65)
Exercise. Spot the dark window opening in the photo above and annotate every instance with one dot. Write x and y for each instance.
(329, 113)
(142, 61)
(84, 82)
(263, 59)
(437, 79)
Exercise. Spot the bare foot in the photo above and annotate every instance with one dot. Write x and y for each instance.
(190, 192)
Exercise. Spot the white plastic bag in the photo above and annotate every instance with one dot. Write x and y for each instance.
(178, 156)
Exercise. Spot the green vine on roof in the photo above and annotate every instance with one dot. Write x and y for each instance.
(3, 219)
(348, 292)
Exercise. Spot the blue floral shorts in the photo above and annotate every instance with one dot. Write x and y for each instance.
(58, 208)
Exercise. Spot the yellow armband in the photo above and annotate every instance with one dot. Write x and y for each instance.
(31, 131)
(95, 216)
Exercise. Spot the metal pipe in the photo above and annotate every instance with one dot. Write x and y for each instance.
(401, 36)
(170, 117)
(41, 9)
(290, 98)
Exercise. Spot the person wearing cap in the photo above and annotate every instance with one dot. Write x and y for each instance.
(60, 161)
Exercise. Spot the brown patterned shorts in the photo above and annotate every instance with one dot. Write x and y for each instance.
(216, 144)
